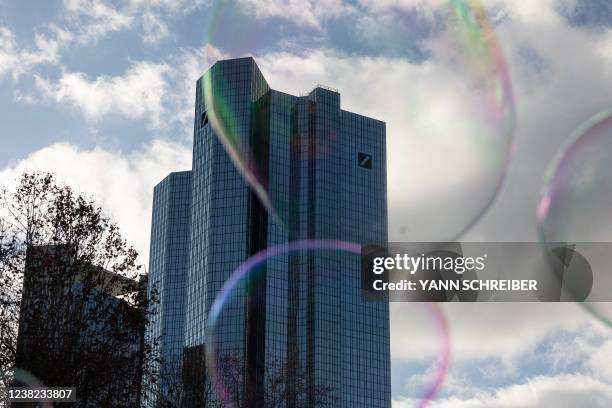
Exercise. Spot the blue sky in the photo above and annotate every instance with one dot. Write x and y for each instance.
(106, 40)
(101, 92)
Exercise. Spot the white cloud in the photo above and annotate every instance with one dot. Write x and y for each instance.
(425, 7)
(564, 391)
(87, 21)
(600, 360)
(154, 28)
(161, 92)
(47, 49)
(173, 6)
(479, 331)
(16, 61)
(8, 54)
(96, 18)
(524, 10)
(122, 183)
(138, 93)
(306, 13)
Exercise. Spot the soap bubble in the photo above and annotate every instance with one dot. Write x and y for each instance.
(576, 202)
(229, 124)
(442, 363)
(448, 167)
(450, 116)
(248, 279)
(225, 110)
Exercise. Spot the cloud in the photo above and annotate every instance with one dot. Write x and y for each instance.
(162, 93)
(155, 28)
(138, 93)
(306, 13)
(563, 391)
(539, 345)
(425, 7)
(172, 6)
(96, 18)
(541, 10)
(600, 360)
(86, 22)
(471, 323)
(122, 183)
(16, 61)
(8, 55)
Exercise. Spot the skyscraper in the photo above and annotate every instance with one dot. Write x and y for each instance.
(167, 269)
(325, 173)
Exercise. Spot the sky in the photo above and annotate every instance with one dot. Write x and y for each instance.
(102, 94)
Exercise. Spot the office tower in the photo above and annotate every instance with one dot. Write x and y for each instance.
(168, 263)
(325, 173)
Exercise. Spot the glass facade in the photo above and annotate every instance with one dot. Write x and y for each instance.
(168, 279)
(325, 170)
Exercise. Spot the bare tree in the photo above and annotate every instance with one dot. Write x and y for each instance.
(195, 388)
(185, 390)
(72, 312)
(9, 295)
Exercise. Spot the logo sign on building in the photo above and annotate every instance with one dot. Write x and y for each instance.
(364, 160)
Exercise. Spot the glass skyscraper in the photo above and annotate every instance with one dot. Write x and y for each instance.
(325, 172)
(170, 234)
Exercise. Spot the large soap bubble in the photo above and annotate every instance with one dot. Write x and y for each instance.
(448, 166)
(449, 117)
(576, 202)
(421, 346)
(244, 286)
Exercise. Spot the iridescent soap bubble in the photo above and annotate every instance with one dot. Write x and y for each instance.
(441, 364)
(450, 116)
(576, 202)
(226, 124)
(226, 121)
(243, 286)
(448, 166)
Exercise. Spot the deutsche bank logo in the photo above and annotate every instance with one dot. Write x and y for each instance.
(364, 160)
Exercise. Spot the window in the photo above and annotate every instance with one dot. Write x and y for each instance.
(204, 120)
(364, 160)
